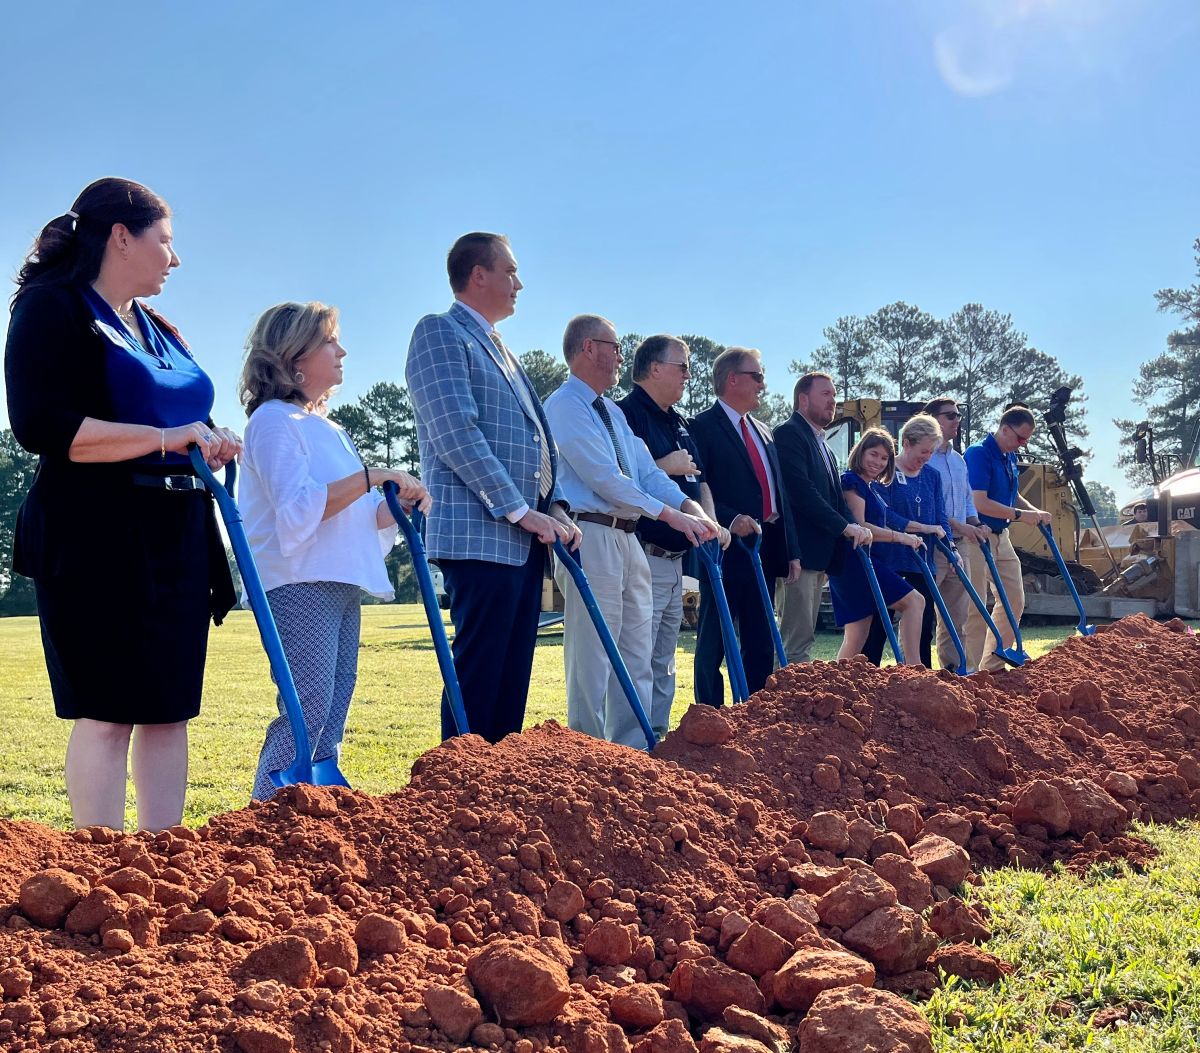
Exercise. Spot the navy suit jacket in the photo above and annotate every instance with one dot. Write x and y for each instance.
(818, 506)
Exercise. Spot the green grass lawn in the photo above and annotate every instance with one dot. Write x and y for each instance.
(394, 718)
(1110, 940)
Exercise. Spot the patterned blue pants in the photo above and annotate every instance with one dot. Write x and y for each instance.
(319, 625)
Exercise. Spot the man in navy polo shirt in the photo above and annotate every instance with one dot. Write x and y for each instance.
(992, 472)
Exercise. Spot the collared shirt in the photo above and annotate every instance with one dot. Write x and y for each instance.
(823, 443)
(956, 485)
(735, 419)
(995, 472)
(663, 431)
(589, 476)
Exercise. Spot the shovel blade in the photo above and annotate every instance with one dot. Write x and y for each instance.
(327, 773)
(289, 776)
(1012, 656)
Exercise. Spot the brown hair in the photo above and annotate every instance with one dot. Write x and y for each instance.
(1017, 417)
(729, 362)
(71, 247)
(281, 337)
(470, 251)
(871, 438)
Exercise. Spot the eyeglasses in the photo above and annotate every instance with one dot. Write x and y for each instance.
(683, 367)
(601, 340)
(1021, 439)
(950, 414)
(758, 375)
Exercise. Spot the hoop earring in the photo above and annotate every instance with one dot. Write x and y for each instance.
(299, 377)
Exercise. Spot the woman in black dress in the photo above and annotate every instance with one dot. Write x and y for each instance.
(116, 531)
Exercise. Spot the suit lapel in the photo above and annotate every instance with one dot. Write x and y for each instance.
(527, 398)
(725, 425)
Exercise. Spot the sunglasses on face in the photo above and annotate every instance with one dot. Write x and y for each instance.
(950, 414)
(758, 376)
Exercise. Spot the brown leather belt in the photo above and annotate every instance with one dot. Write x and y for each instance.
(660, 552)
(628, 525)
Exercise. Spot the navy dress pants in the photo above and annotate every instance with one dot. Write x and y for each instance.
(750, 621)
(495, 610)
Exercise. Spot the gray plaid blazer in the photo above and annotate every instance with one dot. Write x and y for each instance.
(479, 448)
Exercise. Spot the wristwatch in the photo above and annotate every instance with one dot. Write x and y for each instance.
(1016, 515)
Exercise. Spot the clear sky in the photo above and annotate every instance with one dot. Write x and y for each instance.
(745, 171)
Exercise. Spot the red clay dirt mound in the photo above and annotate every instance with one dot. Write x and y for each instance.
(739, 887)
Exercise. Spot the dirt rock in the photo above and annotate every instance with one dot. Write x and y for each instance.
(47, 898)
(454, 1012)
(94, 910)
(829, 831)
(1120, 784)
(758, 950)
(913, 888)
(941, 860)
(378, 934)
(905, 820)
(522, 985)
(286, 958)
(938, 705)
(855, 898)
(1091, 809)
(812, 970)
(637, 1007)
(671, 1036)
(718, 1040)
(774, 1036)
(707, 988)
(564, 901)
(780, 917)
(258, 1036)
(894, 938)
(952, 919)
(1040, 802)
(609, 943)
(969, 962)
(857, 1019)
(705, 726)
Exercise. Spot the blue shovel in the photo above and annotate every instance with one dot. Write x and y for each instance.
(1018, 645)
(947, 621)
(711, 555)
(411, 528)
(885, 615)
(764, 594)
(1083, 627)
(1009, 655)
(571, 562)
(302, 769)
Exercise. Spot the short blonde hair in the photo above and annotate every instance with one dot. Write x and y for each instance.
(281, 337)
(919, 428)
(871, 438)
(729, 362)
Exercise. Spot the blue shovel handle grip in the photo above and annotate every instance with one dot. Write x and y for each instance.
(301, 769)
(410, 526)
(764, 594)
(571, 563)
(1018, 645)
(884, 614)
(711, 556)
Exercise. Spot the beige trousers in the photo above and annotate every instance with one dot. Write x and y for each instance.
(980, 643)
(958, 603)
(798, 605)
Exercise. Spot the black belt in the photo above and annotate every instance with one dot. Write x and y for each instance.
(167, 482)
(628, 525)
(660, 552)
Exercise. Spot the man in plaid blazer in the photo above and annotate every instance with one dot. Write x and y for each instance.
(489, 461)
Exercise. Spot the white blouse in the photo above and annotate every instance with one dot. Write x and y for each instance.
(289, 458)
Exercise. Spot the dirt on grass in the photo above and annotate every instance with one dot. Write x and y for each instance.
(776, 873)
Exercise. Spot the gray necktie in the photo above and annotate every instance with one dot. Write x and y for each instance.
(545, 472)
(606, 420)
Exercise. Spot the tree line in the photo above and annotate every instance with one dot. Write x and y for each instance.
(976, 355)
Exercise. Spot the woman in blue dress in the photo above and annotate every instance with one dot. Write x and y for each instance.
(914, 494)
(874, 459)
(116, 531)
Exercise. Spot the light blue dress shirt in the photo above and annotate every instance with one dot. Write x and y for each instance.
(588, 474)
(956, 484)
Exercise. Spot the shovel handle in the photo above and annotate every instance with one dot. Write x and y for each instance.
(711, 556)
(765, 595)
(880, 606)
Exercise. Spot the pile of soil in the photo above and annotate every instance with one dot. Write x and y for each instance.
(773, 873)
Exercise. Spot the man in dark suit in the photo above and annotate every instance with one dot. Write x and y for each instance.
(743, 474)
(813, 486)
(488, 458)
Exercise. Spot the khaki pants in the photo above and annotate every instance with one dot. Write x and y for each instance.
(958, 603)
(798, 605)
(619, 575)
(667, 577)
(980, 643)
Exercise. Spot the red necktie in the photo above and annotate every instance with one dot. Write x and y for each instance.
(760, 471)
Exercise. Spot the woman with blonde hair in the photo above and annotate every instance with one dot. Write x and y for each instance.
(915, 495)
(872, 460)
(318, 527)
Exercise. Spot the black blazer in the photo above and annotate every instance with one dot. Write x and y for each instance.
(735, 490)
(75, 519)
(817, 504)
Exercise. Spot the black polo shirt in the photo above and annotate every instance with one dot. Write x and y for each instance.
(662, 431)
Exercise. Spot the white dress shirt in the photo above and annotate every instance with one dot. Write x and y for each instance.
(735, 419)
(290, 457)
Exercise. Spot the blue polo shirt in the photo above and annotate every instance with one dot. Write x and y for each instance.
(995, 472)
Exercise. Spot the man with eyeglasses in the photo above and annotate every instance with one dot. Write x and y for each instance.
(746, 481)
(661, 366)
(992, 471)
(966, 528)
(610, 481)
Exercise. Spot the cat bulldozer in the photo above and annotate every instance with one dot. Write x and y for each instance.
(1148, 568)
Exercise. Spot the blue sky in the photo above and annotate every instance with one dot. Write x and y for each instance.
(745, 171)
